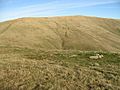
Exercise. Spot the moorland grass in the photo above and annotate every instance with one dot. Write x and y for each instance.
(30, 69)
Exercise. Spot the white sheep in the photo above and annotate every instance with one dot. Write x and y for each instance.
(97, 56)
(94, 57)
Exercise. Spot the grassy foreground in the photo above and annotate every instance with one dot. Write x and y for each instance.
(29, 69)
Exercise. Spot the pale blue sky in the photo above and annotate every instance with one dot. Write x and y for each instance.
(11, 9)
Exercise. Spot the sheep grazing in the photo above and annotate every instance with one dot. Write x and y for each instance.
(97, 56)
(94, 57)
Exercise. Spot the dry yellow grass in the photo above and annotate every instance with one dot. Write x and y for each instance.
(51, 53)
(70, 32)
(29, 69)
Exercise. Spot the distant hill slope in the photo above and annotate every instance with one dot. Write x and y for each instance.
(69, 32)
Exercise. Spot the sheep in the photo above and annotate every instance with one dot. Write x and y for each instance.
(94, 57)
(97, 56)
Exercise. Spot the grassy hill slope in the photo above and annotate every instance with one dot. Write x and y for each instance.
(53, 54)
(63, 33)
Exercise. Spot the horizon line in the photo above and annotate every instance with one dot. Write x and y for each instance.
(58, 16)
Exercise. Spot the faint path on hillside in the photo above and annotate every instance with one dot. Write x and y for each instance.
(5, 29)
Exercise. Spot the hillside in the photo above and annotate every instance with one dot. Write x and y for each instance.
(55, 53)
(63, 33)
